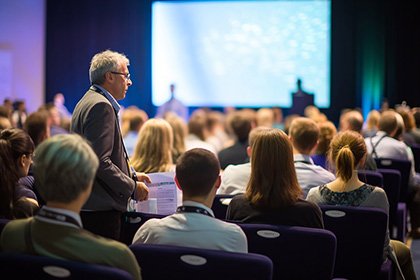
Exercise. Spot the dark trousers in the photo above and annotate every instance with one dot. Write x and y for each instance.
(103, 223)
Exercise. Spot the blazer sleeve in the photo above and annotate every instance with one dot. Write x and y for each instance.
(100, 130)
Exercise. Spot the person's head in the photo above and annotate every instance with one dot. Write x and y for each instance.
(16, 150)
(132, 118)
(388, 122)
(416, 114)
(65, 167)
(241, 124)
(197, 125)
(372, 120)
(304, 134)
(37, 126)
(273, 182)
(347, 152)
(197, 173)
(5, 123)
(327, 130)
(153, 151)
(179, 129)
(265, 117)
(351, 120)
(59, 99)
(19, 105)
(109, 69)
(408, 118)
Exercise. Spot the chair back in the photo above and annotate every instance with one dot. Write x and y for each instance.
(371, 177)
(404, 166)
(131, 222)
(221, 204)
(360, 236)
(415, 148)
(174, 262)
(296, 252)
(20, 266)
(392, 186)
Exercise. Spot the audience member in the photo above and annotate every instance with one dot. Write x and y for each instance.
(265, 117)
(65, 167)
(19, 114)
(416, 130)
(327, 130)
(241, 124)
(303, 134)
(95, 118)
(273, 195)
(194, 224)
(216, 128)
(179, 129)
(198, 132)
(407, 134)
(55, 120)
(372, 122)
(153, 152)
(4, 118)
(59, 101)
(278, 118)
(37, 126)
(136, 118)
(16, 151)
(348, 151)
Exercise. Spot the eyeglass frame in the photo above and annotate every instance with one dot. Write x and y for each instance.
(127, 76)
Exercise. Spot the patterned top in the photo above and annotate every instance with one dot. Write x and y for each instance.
(351, 198)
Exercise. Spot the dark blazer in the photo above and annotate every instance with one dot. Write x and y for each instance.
(94, 118)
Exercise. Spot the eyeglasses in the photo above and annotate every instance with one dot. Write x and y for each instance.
(126, 75)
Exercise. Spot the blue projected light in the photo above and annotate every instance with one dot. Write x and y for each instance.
(240, 53)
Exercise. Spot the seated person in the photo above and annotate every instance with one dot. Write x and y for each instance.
(347, 153)
(16, 199)
(273, 195)
(65, 167)
(303, 134)
(194, 225)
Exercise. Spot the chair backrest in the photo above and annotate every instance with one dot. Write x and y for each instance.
(19, 266)
(416, 152)
(360, 234)
(220, 205)
(296, 252)
(131, 222)
(404, 166)
(392, 185)
(371, 177)
(174, 262)
(320, 160)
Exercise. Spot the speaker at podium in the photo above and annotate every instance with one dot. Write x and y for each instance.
(301, 99)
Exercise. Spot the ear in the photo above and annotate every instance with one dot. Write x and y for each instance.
(109, 76)
(21, 160)
(177, 183)
(218, 182)
(249, 151)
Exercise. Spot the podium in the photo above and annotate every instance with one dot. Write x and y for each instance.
(300, 101)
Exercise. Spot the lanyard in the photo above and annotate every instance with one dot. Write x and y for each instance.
(193, 209)
(50, 215)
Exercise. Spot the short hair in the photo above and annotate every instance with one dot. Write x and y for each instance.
(104, 62)
(372, 119)
(197, 125)
(327, 130)
(353, 120)
(273, 182)
(347, 149)
(64, 167)
(265, 117)
(388, 122)
(304, 133)
(241, 125)
(197, 171)
(416, 115)
(153, 151)
(36, 125)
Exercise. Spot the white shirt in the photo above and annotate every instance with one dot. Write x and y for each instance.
(235, 178)
(192, 141)
(310, 175)
(193, 230)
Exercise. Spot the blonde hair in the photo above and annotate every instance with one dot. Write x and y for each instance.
(327, 130)
(179, 128)
(273, 182)
(347, 150)
(372, 120)
(153, 151)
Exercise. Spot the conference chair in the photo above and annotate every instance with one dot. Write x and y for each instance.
(131, 222)
(415, 148)
(221, 204)
(175, 262)
(370, 177)
(404, 166)
(20, 266)
(360, 234)
(296, 252)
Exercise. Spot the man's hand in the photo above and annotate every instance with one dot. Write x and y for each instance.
(142, 177)
(142, 191)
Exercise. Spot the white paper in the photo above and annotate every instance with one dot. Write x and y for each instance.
(166, 193)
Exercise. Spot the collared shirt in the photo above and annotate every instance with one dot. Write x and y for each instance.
(111, 98)
(69, 213)
(310, 175)
(197, 204)
(235, 179)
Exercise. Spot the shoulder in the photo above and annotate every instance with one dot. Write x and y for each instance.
(13, 234)
(313, 193)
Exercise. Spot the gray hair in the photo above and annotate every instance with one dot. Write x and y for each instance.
(104, 62)
(64, 166)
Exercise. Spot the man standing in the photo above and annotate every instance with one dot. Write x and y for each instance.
(96, 119)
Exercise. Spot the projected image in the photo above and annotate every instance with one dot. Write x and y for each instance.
(240, 53)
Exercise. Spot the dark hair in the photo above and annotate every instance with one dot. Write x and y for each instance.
(36, 125)
(197, 171)
(13, 144)
(304, 133)
(241, 125)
